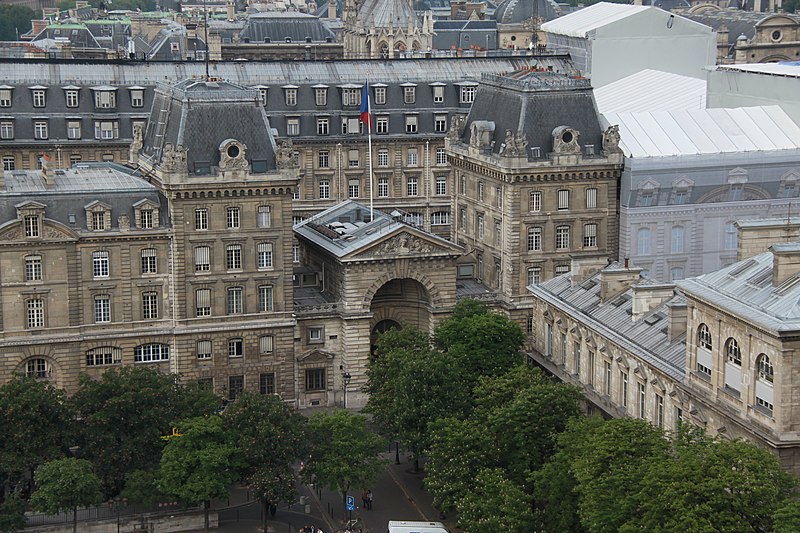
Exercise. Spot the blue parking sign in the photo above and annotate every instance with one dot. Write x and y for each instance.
(351, 503)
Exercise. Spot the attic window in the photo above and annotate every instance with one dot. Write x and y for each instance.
(653, 319)
(622, 300)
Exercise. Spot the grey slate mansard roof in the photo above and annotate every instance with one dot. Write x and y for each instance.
(74, 188)
(646, 337)
(536, 103)
(745, 289)
(278, 26)
(200, 115)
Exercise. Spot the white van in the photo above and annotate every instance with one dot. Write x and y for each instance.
(398, 526)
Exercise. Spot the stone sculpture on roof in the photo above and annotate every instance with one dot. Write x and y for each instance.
(515, 144)
(232, 155)
(456, 127)
(611, 139)
(284, 159)
(174, 158)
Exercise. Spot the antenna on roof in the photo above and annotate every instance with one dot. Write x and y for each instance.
(205, 30)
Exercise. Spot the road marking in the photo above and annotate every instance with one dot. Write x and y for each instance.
(408, 496)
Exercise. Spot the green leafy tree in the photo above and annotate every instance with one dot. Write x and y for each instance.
(458, 449)
(200, 464)
(786, 519)
(486, 343)
(271, 437)
(609, 466)
(411, 385)
(66, 484)
(345, 453)
(705, 484)
(14, 21)
(791, 6)
(141, 488)
(125, 413)
(495, 504)
(12, 513)
(37, 427)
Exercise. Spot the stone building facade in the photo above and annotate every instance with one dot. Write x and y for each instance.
(532, 193)
(384, 29)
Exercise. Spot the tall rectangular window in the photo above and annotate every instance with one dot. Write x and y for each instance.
(6, 130)
(33, 268)
(137, 98)
(293, 127)
(100, 267)
(146, 220)
(534, 238)
(264, 216)
(5, 97)
(535, 201)
(324, 159)
(352, 188)
(204, 350)
(264, 253)
(233, 256)
(234, 303)
(323, 126)
(315, 379)
(440, 123)
(479, 226)
(660, 411)
(623, 389)
(441, 185)
(40, 129)
(233, 217)
(265, 300)
(467, 94)
(321, 96)
(291, 96)
(202, 259)
(201, 219)
(106, 129)
(642, 400)
(563, 199)
(31, 223)
(35, 316)
(411, 159)
(380, 95)
(383, 158)
(562, 237)
(352, 158)
(202, 302)
(411, 123)
(105, 99)
(591, 198)
(73, 129)
(412, 186)
(383, 187)
(324, 189)
(9, 163)
(71, 96)
(39, 98)
(441, 156)
(267, 383)
(266, 344)
(149, 305)
(589, 235)
(607, 373)
(102, 308)
(149, 261)
(235, 387)
(409, 95)
(438, 94)
(534, 276)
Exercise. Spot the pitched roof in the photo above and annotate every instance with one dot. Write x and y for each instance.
(646, 337)
(705, 131)
(580, 23)
(651, 90)
(746, 289)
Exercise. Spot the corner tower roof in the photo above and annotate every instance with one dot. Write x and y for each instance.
(199, 115)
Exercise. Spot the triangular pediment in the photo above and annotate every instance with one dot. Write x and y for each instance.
(314, 355)
(406, 242)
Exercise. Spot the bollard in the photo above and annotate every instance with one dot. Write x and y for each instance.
(302, 500)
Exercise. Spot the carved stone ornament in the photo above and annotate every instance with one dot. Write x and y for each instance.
(284, 159)
(516, 145)
(124, 222)
(565, 140)
(611, 139)
(402, 244)
(481, 133)
(174, 158)
(232, 155)
(456, 127)
(138, 138)
(54, 233)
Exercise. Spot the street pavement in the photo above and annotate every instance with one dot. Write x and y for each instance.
(398, 495)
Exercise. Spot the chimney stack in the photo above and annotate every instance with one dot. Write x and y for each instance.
(677, 316)
(648, 297)
(785, 262)
(616, 279)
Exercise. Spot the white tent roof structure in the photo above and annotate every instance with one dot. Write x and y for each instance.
(705, 131)
(651, 90)
(580, 23)
(791, 69)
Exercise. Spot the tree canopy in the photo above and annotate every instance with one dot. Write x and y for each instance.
(125, 413)
(15, 20)
(64, 485)
(345, 453)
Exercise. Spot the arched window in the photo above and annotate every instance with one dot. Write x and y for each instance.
(643, 242)
(764, 377)
(704, 346)
(704, 337)
(733, 365)
(37, 368)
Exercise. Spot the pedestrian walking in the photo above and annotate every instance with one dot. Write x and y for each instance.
(364, 502)
(369, 500)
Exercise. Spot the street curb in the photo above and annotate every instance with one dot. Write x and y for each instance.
(402, 487)
(325, 516)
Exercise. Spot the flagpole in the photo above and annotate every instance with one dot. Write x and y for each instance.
(369, 157)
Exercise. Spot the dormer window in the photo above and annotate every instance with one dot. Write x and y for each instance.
(146, 214)
(6, 92)
(263, 90)
(105, 97)
(409, 93)
(71, 96)
(290, 92)
(38, 95)
(467, 93)
(32, 226)
(98, 216)
(438, 93)
(380, 94)
(31, 214)
(351, 96)
(321, 95)
(137, 96)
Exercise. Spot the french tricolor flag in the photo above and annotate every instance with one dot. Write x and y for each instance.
(366, 110)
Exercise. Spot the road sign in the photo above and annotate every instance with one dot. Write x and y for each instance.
(351, 503)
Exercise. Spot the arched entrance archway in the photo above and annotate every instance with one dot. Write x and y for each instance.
(381, 327)
(399, 302)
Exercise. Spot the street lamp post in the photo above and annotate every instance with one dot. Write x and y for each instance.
(346, 377)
